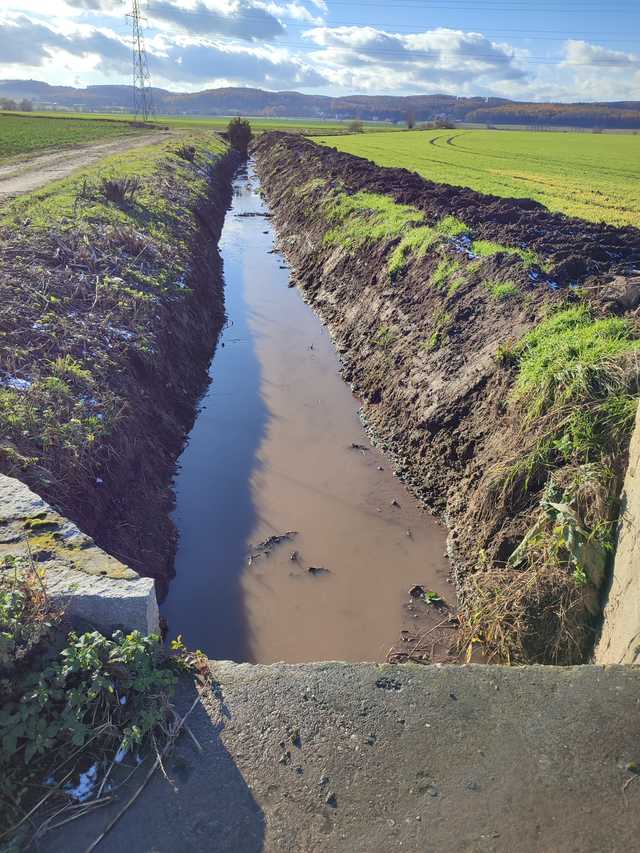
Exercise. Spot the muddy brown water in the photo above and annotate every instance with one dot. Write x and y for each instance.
(271, 452)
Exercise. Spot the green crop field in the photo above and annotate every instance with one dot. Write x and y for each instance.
(25, 135)
(592, 176)
(310, 126)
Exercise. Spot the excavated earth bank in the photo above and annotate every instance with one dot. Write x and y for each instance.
(129, 353)
(426, 361)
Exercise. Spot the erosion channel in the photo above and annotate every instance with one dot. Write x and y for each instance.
(278, 448)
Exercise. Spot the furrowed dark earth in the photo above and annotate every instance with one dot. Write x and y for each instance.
(430, 345)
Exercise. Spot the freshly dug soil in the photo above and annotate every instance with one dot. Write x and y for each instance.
(150, 365)
(425, 362)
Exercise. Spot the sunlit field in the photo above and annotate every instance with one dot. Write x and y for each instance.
(593, 176)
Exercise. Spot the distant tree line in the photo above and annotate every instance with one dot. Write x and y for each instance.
(23, 106)
(554, 115)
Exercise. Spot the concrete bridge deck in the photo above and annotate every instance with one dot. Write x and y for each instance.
(363, 758)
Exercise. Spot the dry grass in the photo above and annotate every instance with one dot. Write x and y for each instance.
(536, 615)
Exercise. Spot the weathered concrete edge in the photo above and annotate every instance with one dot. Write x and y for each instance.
(365, 758)
(80, 578)
(620, 637)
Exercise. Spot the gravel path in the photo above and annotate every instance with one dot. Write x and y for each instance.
(29, 175)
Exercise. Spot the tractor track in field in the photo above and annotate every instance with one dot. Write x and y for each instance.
(17, 178)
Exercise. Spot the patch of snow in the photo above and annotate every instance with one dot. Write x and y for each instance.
(17, 384)
(125, 334)
(99, 481)
(85, 786)
(123, 700)
(121, 754)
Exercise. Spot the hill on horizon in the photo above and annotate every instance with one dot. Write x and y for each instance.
(259, 102)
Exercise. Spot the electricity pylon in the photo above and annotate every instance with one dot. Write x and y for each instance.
(142, 100)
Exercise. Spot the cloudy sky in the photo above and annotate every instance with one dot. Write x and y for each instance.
(525, 49)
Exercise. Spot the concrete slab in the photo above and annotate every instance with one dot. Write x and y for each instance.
(620, 638)
(361, 758)
(80, 578)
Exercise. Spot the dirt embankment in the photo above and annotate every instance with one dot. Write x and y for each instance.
(109, 317)
(428, 333)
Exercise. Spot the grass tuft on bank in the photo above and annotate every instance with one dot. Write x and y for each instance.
(365, 218)
(574, 402)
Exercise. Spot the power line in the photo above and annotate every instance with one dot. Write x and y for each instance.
(201, 17)
(141, 90)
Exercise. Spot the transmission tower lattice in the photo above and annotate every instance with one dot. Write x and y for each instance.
(142, 99)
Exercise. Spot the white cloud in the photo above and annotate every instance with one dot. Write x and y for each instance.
(201, 43)
(370, 59)
(25, 43)
(591, 72)
(578, 52)
(241, 19)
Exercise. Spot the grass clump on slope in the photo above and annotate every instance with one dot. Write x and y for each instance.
(366, 217)
(573, 359)
(574, 400)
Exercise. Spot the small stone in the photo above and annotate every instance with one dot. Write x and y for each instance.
(331, 800)
(416, 591)
(394, 502)
(324, 780)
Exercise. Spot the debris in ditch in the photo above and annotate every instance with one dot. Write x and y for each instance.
(265, 547)
(293, 556)
(360, 447)
(380, 468)
(318, 570)
(394, 502)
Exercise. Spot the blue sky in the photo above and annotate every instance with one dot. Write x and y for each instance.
(523, 49)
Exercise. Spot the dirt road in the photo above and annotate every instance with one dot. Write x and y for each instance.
(28, 175)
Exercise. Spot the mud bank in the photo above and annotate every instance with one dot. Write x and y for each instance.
(429, 340)
(112, 303)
